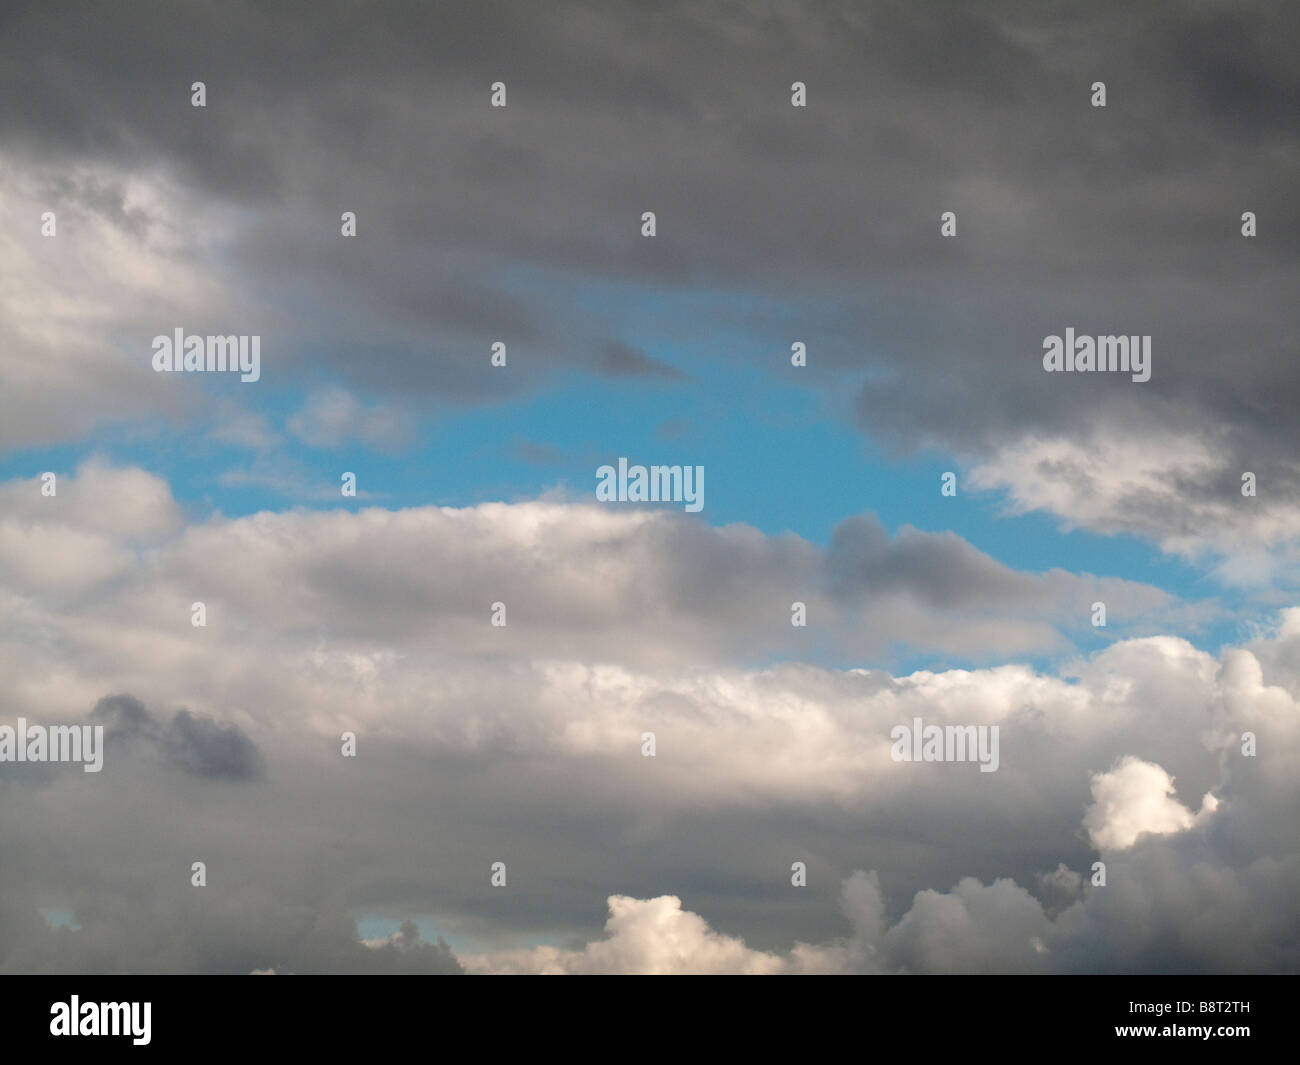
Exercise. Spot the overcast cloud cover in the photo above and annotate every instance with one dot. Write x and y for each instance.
(476, 743)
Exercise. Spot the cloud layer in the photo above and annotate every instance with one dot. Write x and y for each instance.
(523, 744)
(229, 214)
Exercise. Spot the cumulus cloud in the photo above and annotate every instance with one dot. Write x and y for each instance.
(653, 937)
(1175, 909)
(1133, 798)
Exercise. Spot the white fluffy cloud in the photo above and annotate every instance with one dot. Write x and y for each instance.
(652, 937)
(1133, 798)
(1139, 478)
(79, 310)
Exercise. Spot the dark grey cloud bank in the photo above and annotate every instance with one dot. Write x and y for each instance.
(822, 223)
(193, 743)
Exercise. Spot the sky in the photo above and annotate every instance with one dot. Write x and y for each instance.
(523, 743)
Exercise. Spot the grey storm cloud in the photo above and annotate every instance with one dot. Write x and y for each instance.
(1123, 219)
(194, 743)
(940, 569)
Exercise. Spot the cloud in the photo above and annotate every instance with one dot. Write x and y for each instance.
(1133, 798)
(772, 740)
(86, 534)
(1059, 888)
(1173, 911)
(975, 928)
(937, 341)
(630, 586)
(193, 743)
(405, 952)
(123, 503)
(332, 417)
(1181, 488)
(159, 926)
(620, 622)
(653, 937)
(83, 306)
